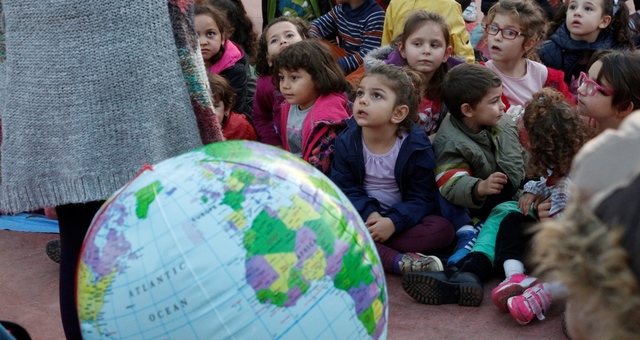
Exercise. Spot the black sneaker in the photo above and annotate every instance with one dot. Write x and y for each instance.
(53, 250)
(437, 288)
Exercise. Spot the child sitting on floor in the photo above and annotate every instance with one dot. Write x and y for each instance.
(480, 165)
(384, 164)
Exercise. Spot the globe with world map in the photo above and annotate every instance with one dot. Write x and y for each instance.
(235, 239)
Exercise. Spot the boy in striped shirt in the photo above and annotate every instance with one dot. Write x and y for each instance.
(356, 25)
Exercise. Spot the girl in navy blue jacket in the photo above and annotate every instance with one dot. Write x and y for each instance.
(385, 166)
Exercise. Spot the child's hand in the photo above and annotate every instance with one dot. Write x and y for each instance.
(543, 210)
(380, 228)
(373, 217)
(525, 202)
(492, 185)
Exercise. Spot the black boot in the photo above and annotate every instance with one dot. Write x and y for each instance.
(449, 286)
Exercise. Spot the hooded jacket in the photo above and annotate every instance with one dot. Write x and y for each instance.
(320, 128)
(232, 65)
(562, 53)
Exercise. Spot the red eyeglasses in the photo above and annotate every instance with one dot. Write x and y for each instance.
(592, 87)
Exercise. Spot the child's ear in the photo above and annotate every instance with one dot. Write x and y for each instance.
(529, 44)
(399, 114)
(447, 53)
(623, 113)
(467, 110)
(401, 50)
(604, 21)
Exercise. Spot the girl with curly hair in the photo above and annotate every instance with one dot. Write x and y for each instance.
(556, 133)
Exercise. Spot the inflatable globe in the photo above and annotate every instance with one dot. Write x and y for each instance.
(232, 240)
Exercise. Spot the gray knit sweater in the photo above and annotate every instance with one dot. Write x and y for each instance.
(90, 91)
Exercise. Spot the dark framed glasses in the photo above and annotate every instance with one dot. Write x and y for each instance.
(591, 86)
(508, 34)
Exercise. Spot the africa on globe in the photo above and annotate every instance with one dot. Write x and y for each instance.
(235, 239)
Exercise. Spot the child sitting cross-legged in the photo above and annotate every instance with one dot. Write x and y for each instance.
(480, 164)
(384, 164)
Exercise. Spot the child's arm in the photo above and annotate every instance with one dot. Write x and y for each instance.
(325, 26)
(345, 172)
(559, 197)
(535, 191)
(371, 39)
(263, 115)
(455, 179)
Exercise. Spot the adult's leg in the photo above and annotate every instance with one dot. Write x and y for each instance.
(74, 221)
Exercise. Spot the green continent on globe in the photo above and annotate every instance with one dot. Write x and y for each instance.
(236, 183)
(276, 241)
(145, 197)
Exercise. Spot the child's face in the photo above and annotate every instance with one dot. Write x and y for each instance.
(585, 19)
(502, 49)
(281, 35)
(375, 103)
(209, 36)
(425, 50)
(487, 113)
(219, 110)
(598, 106)
(298, 88)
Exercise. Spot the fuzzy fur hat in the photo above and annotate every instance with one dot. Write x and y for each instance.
(595, 248)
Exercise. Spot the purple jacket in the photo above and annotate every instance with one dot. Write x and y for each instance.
(266, 106)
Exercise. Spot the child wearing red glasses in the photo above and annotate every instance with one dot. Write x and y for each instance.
(608, 92)
(514, 29)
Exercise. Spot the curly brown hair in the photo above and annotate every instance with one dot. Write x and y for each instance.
(555, 130)
(407, 84)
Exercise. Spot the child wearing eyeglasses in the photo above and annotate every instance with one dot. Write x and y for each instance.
(608, 93)
(514, 29)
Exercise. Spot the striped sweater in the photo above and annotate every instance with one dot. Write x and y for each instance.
(358, 30)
